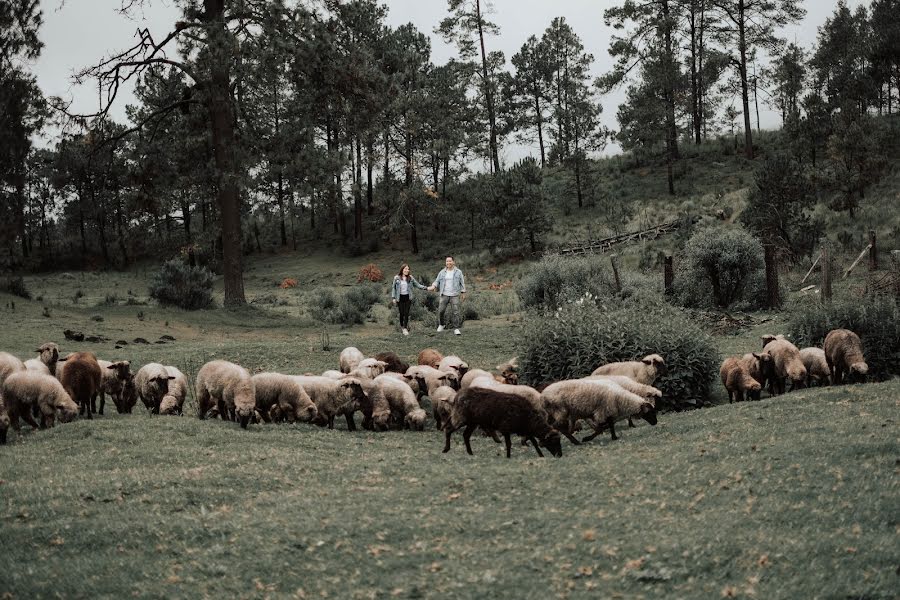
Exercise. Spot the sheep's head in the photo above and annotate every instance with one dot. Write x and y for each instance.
(553, 443)
(751, 384)
(169, 406)
(354, 390)
(510, 377)
(66, 408)
(306, 413)
(122, 369)
(415, 420)
(769, 338)
(858, 372)
(49, 355)
(381, 420)
(648, 412)
(450, 379)
(655, 360)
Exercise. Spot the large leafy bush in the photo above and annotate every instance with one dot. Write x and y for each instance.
(181, 285)
(350, 308)
(580, 336)
(719, 266)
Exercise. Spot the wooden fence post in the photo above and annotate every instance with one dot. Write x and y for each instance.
(873, 252)
(669, 276)
(826, 274)
(615, 270)
(773, 293)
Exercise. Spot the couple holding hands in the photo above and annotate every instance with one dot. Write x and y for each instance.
(449, 283)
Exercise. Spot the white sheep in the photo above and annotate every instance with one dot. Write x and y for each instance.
(283, 391)
(114, 378)
(331, 396)
(403, 402)
(843, 351)
(816, 366)
(36, 365)
(643, 371)
(442, 404)
(26, 390)
(152, 383)
(230, 388)
(369, 368)
(429, 378)
(648, 392)
(602, 402)
(349, 359)
(9, 364)
(455, 364)
(173, 402)
(49, 355)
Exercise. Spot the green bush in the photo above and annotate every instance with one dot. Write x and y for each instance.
(556, 280)
(717, 267)
(875, 320)
(350, 308)
(181, 285)
(16, 287)
(578, 337)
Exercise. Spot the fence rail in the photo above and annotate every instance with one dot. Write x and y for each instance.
(601, 246)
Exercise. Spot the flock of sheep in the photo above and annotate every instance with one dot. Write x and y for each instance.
(840, 358)
(387, 392)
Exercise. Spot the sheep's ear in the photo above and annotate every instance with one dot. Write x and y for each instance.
(647, 361)
(646, 407)
(113, 366)
(38, 350)
(171, 377)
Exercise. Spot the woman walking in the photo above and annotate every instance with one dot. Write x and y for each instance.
(401, 294)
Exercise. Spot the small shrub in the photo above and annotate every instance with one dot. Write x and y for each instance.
(469, 312)
(78, 295)
(181, 285)
(349, 309)
(46, 312)
(16, 287)
(287, 283)
(110, 300)
(370, 272)
(875, 320)
(580, 336)
(717, 266)
(363, 297)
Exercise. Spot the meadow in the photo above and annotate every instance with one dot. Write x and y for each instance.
(794, 496)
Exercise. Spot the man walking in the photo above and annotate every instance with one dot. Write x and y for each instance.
(451, 285)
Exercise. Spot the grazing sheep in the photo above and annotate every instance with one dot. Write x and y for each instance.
(736, 379)
(509, 371)
(49, 355)
(368, 368)
(429, 357)
(648, 392)
(441, 404)
(403, 403)
(410, 381)
(9, 364)
(332, 395)
(643, 371)
(788, 365)
(394, 363)
(768, 338)
(377, 409)
(113, 377)
(495, 410)
(152, 383)
(35, 364)
(602, 402)
(473, 374)
(453, 364)
(350, 357)
(333, 374)
(173, 402)
(429, 378)
(230, 388)
(817, 368)
(843, 351)
(283, 391)
(25, 391)
(81, 377)
(761, 367)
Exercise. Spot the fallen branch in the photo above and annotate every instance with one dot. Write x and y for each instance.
(856, 262)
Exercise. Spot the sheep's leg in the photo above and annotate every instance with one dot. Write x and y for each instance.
(264, 415)
(611, 423)
(223, 410)
(448, 431)
(537, 446)
(468, 434)
(330, 421)
(508, 444)
(102, 401)
(351, 423)
(437, 420)
(87, 409)
(94, 402)
(26, 416)
(738, 395)
(630, 424)
(567, 431)
(730, 397)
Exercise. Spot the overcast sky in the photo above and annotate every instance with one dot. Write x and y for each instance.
(78, 33)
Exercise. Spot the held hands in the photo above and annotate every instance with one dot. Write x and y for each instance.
(431, 288)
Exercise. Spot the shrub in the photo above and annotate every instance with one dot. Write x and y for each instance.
(370, 272)
(363, 297)
(580, 336)
(287, 283)
(181, 285)
(556, 280)
(875, 320)
(16, 287)
(349, 309)
(717, 266)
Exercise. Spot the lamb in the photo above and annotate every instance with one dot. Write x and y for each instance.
(230, 388)
(453, 363)
(81, 377)
(26, 390)
(113, 377)
(442, 403)
(788, 365)
(393, 362)
(403, 402)
(760, 367)
(495, 410)
(173, 402)
(602, 402)
(843, 351)
(152, 383)
(736, 379)
(283, 391)
(817, 368)
(332, 395)
(350, 357)
(49, 355)
(643, 371)
(430, 357)
(9, 364)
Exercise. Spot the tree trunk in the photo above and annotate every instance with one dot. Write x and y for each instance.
(745, 93)
(540, 122)
(120, 230)
(281, 207)
(695, 93)
(357, 193)
(671, 126)
(488, 93)
(370, 184)
(221, 114)
(773, 292)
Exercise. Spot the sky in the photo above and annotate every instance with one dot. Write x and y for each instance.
(79, 33)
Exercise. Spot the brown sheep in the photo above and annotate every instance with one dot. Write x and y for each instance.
(737, 379)
(394, 363)
(81, 378)
(843, 352)
(788, 365)
(430, 357)
(761, 367)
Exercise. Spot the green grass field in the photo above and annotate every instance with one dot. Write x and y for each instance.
(792, 497)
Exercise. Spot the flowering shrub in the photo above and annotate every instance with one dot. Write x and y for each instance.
(370, 272)
(288, 282)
